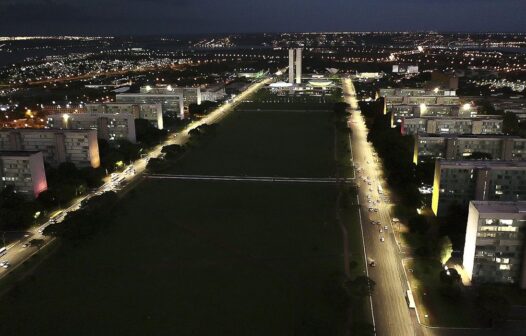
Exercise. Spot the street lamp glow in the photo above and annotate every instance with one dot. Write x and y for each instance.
(466, 106)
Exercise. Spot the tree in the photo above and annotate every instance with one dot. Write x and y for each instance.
(450, 282)
(418, 224)
(492, 304)
(510, 123)
(445, 248)
(36, 242)
(362, 286)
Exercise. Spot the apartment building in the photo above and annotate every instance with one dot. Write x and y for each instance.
(172, 103)
(451, 125)
(57, 146)
(450, 147)
(458, 182)
(151, 112)
(494, 245)
(24, 171)
(110, 127)
(399, 112)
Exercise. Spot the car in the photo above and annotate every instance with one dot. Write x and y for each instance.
(26, 245)
(4, 264)
(373, 222)
(371, 209)
(382, 239)
(370, 189)
(369, 182)
(375, 209)
(381, 230)
(394, 219)
(385, 228)
(369, 201)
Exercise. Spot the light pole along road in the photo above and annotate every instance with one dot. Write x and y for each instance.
(392, 315)
(17, 254)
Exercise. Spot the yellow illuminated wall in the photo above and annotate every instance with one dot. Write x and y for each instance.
(436, 188)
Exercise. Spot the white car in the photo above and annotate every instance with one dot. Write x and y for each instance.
(382, 239)
(4, 264)
(381, 230)
(385, 228)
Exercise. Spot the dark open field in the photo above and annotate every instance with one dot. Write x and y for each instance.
(267, 143)
(207, 258)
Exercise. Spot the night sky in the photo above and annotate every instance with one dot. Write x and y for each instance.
(123, 17)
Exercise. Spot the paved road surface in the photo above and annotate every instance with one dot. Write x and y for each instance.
(391, 313)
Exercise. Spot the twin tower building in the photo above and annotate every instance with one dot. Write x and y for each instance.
(295, 64)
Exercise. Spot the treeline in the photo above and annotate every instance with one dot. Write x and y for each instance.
(87, 221)
(171, 153)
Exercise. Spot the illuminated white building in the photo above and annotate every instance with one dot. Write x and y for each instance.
(295, 66)
(494, 245)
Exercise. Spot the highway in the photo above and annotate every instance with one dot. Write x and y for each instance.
(392, 315)
(17, 253)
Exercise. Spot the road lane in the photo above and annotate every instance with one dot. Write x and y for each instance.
(391, 313)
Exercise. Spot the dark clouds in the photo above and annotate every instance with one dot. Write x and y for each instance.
(110, 17)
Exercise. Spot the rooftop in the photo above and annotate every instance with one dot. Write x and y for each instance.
(482, 164)
(500, 207)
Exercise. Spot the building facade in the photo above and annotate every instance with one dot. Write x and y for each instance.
(57, 146)
(494, 245)
(172, 103)
(461, 147)
(458, 182)
(24, 171)
(151, 112)
(451, 125)
(399, 112)
(110, 127)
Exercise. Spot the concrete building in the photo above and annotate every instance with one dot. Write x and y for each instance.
(291, 66)
(298, 65)
(458, 182)
(57, 146)
(398, 112)
(109, 126)
(494, 245)
(172, 103)
(24, 171)
(213, 93)
(451, 125)
(151, 112)
(460, 147)
(295, 66)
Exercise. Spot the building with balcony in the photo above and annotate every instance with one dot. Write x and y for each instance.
(458, 182)
(451, 125)
(24, 171)
(453, 147)
(494, 245)
(57, 146)
(151, 112)
(110, 127)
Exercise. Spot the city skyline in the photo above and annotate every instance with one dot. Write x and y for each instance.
(142, 17)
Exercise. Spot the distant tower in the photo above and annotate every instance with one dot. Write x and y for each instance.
(298, 65)
(291, 66)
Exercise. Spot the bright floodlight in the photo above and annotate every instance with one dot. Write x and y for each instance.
(420, 48)
(148, 87)
(169, 88)
(466, 106)
(436, 90)
(423, 107)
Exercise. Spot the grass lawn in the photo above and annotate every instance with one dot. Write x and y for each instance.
(266, 144)
(207, 258)
(440, 311)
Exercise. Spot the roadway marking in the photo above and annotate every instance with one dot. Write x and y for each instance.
(366, 267)
(251, 178)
